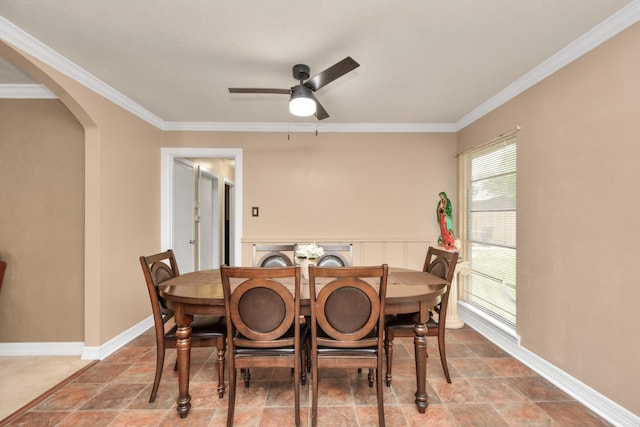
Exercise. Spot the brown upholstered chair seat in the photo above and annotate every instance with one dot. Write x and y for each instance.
(285, 344)
(404, 321)
(205, 327)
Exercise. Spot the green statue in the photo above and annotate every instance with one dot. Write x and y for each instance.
(444, 214)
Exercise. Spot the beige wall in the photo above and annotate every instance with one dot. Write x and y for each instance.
(41, 222)
(578, 211)
(121, 204)
(341, 187)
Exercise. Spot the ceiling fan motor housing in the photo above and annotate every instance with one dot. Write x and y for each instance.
(301, 72)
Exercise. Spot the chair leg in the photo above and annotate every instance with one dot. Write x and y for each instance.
(247, 377)
(303, 366)
(388, 346)
(232, 394)
(443, 353)
(370, 377)
(159, 366)
(380, 394)
(222, 348)
(296, 387)
(314, 393)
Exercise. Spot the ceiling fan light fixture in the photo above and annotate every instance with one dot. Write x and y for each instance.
(302, 103)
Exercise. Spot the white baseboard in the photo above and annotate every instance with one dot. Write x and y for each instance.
(111, 346)
(507, 340)
(75, 348)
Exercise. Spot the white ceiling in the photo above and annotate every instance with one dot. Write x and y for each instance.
(422, 62)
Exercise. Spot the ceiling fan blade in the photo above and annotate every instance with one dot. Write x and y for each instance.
(330, 74)
(259, 90)
(321, 113)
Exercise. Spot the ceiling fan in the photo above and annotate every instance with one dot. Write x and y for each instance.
(302, 101)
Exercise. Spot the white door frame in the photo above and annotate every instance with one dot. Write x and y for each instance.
(167, 156)
(214, 238)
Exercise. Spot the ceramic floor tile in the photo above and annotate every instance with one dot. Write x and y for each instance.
(472, 368)
(338, 416)
(509, 367)
(40, 419)
(281, 394)
(486, 349)
(114, 396)
(474, 415)
(572, 414)
(497, 390)
(70, 397)
(197, 418)
(103, 372)
(368, 415)
(489, 388)
(459, 391)
(539, 390)
(435, 415)
(279, 417)
(89, 418)
(334, 393)
(524, 413)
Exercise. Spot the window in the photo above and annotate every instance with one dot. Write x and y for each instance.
(489, 228)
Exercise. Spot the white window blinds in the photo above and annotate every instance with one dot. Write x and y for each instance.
(490, 228)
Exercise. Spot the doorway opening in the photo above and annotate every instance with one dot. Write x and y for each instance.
(232, 201)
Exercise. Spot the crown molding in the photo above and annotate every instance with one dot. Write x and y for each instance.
(24, 41)
(310, 127)
(608, 28)
(25, 91)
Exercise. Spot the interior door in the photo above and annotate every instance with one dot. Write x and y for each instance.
(183, 227)
(208, 220)
(230, 214)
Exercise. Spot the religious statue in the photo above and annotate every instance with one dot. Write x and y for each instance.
(444, 214)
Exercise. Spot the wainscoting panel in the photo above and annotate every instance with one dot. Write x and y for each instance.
(395, 252)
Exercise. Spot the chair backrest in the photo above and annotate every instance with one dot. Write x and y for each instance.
(261, 305)
(338, 255)
(347, 303)
(273, 255)
(442, 264)
(157, 269)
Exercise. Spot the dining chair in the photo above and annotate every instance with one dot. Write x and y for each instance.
(273, 255)
(206, 331)
(262, 306)
(347, 323)
(443, 264)
(336, 255)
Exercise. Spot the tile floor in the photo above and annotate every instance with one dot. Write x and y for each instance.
(489, 388)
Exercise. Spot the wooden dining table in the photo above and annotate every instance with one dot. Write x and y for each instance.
(200, 293)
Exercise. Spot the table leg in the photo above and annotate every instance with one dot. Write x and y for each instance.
(183, 349)
(420, 347)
